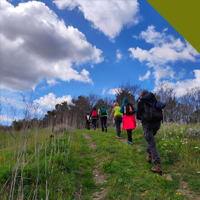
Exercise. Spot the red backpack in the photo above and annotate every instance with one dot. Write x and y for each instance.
(94, 113)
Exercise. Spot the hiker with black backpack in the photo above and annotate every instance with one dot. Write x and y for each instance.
(150, 113)
(103, 114)
(94, 118)
(118, 118)
(129, 122)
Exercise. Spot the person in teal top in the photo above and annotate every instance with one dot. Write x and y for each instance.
(103, 114)
(126, 100)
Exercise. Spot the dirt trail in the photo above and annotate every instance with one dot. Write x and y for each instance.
(98, 176)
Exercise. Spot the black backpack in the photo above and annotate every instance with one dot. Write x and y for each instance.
(129, 109)
(152, 113)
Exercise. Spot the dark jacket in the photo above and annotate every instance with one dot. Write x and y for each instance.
(150, 100)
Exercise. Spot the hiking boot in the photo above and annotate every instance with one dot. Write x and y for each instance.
(157, 169)
(129, 143)
(118, 137)
(149, 158)
(106, 130)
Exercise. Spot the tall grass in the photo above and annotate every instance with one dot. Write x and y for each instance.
(28, 161)
(34, 165)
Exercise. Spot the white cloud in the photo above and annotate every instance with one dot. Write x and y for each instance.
(104, 90)
(181, 87)
(52, 82)
(4, 118)
(108, 16)
(181, 74)
(49, 101)
(167, 50)
(114, 91)
(36, 44)
(163, 72)
(118, 55)
(146, 76)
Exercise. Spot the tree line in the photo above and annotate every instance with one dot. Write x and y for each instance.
(179, 109)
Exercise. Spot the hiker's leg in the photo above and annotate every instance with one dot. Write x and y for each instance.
(105, 123)
(93, 123)
(88, 125)
(117, 124)
(151, 145)
(120, 121)
(102, 128)
(129, 133)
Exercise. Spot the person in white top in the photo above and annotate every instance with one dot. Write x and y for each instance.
(88, 121)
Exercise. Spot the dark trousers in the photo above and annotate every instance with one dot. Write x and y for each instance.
(118, 122)
(94, 123)
(150, 130)
(129, 133)
(88, 125)
(103, 123)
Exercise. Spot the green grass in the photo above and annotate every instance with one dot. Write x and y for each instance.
(128, 176)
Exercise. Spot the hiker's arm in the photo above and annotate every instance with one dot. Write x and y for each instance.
(134, 107)
(122, 109)
(139, 109)
(90, 114)
(107, 114)
(113, 111)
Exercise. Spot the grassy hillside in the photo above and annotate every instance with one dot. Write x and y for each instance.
(87, 164)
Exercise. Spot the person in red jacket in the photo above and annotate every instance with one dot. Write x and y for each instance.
(94, 117)
(129, 122)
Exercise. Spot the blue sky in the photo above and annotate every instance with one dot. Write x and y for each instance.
(62, 48)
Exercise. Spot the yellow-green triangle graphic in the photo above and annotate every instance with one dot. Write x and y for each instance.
(183, 15)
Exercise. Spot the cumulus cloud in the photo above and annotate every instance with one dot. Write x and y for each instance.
(181, 87)
(167, 50)
(52, 82)
(104, 90)
(108, 16)
(4, 118)
(36, 44)
(49, 101)
(114, 91)
(146, 76)
(118, 55)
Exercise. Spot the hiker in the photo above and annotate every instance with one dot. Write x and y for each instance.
(118, 118)
(150, 127)
(87, 120)
(103, 113)
(129, 122)
(94, 118)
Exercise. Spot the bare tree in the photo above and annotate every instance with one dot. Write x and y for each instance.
(129, 91)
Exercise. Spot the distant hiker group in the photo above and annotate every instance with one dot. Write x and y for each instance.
(94, 116)
(149, 111)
